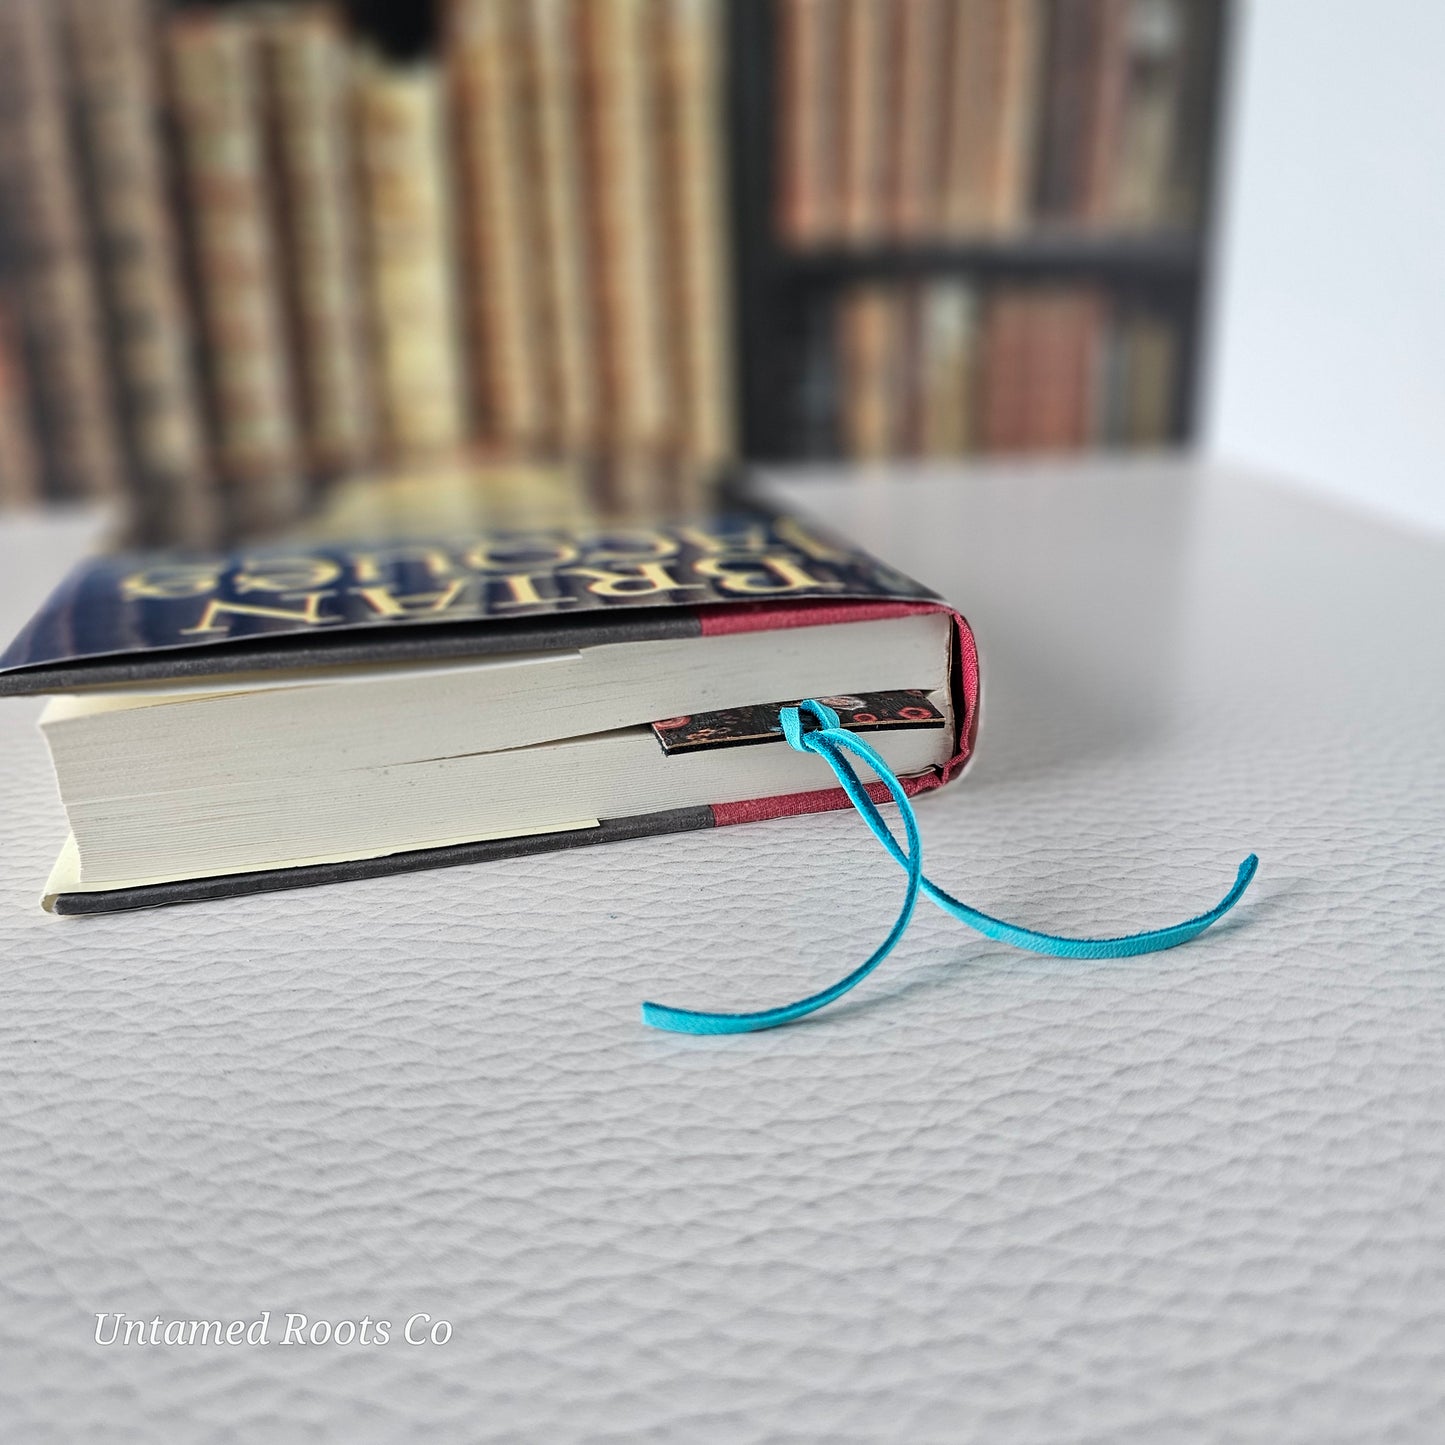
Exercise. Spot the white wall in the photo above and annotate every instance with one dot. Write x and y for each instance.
(1326, 353)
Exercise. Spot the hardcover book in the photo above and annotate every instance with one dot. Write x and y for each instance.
(289, 715)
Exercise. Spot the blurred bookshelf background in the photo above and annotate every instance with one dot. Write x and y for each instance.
(257, 256)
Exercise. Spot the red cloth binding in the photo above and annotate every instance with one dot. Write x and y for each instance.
(768, 617)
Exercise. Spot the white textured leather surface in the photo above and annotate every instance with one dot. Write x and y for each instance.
(990, 1197)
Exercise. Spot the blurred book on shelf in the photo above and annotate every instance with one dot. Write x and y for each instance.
(229, 190)
(306, 69)
(50, 268)
(412, 267)
(19, 459)
(116, 79)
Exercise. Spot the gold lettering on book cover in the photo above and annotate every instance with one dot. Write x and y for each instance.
(385, 603)
(649, 578)
(309, 614)
(742, 575)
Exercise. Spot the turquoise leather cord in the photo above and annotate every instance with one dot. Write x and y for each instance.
(831, 742)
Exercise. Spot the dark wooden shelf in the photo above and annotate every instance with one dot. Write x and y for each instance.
(1160, 256)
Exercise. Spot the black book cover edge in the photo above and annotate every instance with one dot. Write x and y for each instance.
(239, 885)
(434, 642)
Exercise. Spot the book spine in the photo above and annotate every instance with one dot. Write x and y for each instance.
(869, 341)
(807, 109)
(48, 237)
(865, 123)
(1147, 371)
(947, 345)
(991, 103)
(400, 122)
(690, 50)
(1151, 112)
(1189, 148)
(916, 103)
(1093, 316)
(483, 47)
(1107, 71)
(112, 45)
(1006, 385)
(1050, 409)
(1064, 115)
(306, 69)
(1019, 32)
(816, 385)
(1065, 345)
(971, 125)
(551, 92)
(909, 363)
(215, 88)
(1080, 339)
(1083, 109)
(19, 459)
(620, 114)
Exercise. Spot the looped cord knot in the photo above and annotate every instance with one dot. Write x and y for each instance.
(830, 741)
(794, 730)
